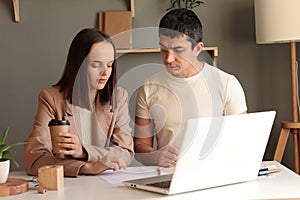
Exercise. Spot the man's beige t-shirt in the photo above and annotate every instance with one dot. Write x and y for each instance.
(169, 101)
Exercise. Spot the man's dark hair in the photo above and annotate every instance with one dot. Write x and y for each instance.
(181, 21)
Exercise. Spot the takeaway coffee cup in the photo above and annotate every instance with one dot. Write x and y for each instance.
(57, 126)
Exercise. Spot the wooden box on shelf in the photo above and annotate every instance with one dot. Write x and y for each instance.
(118, 25)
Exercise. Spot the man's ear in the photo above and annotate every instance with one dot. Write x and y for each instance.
(198, 48)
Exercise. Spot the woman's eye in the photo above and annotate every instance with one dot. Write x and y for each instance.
(109, 65)
(101, 65)
(95, 65)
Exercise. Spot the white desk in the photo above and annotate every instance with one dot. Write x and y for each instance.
(282, 185)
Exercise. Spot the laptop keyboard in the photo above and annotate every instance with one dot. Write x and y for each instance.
(163, 184)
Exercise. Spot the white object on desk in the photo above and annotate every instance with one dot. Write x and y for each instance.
(117, 177)
(208, 156)
(282, 185)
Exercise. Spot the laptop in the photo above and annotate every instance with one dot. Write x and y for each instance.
(216, 151)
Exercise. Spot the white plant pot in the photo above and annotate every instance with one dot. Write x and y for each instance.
(4, 170)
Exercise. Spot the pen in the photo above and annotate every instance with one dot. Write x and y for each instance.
(266, 171)
(158, 171)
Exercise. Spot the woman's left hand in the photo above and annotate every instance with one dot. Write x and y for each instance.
(71, 145)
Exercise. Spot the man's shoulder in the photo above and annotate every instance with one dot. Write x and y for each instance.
(158, 76)
(157, 80)
(212, 70)
(215, 69)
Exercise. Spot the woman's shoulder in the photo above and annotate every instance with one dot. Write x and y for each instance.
(120, 95)
(119, 91)
(119, 98)
(52, 92)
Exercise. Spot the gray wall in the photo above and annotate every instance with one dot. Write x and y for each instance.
(33, 54)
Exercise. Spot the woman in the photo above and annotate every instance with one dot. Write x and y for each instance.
(100, 135)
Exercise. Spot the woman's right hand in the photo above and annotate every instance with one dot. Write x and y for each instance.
(93, 168)
(114, 162)
(110, 161)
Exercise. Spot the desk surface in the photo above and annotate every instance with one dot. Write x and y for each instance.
(282, 185)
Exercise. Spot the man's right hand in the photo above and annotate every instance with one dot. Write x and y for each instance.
(167, 156)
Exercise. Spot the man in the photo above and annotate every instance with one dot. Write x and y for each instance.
(188, 88)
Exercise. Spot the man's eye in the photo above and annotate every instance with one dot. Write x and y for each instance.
(163, 49)
(178, 50)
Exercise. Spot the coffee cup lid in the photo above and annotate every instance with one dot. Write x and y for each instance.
(55, 122)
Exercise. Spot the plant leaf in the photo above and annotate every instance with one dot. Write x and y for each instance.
(8, 147)
(179, 3)
(4, 155)
(12, 160)
(172, 2)
(17, 144)
(189, 4)
(2, 146)
(4, 135)
(5, 149)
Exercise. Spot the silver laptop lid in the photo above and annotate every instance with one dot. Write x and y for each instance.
(221, 150)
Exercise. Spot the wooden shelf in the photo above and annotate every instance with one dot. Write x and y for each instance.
(144, 50)
(132, 8)
(213, 52)
(16, 4)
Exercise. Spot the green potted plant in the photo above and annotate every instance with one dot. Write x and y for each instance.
(5, 158)
(189, 4)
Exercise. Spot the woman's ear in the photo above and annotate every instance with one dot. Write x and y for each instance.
(198, 48)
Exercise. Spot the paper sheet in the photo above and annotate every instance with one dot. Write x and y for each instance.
(117, 177)
(267, 164)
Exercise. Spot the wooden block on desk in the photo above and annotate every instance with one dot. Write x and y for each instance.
(51, 177)
(13, 186)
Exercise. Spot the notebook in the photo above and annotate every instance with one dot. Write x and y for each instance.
(215, 152)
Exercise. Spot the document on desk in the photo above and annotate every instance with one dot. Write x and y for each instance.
(117, 177)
